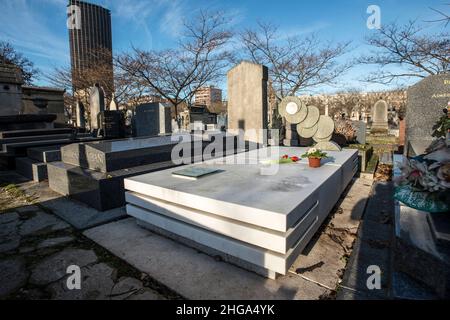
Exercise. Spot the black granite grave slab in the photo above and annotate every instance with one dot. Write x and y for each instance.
(107, 156)
(27, 121)
(102, 191)
(34, 132)
(45, 154)
(14, 140)
(31, 169)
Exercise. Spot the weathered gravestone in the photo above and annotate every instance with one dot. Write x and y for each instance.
(380, 117)
(97, 104)
(152, 119)
(361, 132)
(425, 103)
(247, 101)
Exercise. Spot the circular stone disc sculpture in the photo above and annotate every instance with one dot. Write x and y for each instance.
(307, 132)
(322, 140)
(293, 110)
(325, 128)
(311, 119)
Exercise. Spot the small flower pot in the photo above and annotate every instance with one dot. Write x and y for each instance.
(314, 162)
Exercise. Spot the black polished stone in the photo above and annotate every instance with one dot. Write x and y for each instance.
(26, 121)
(102, 191)
(34, 132)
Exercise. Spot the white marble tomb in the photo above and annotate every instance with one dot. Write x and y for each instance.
(263, 220)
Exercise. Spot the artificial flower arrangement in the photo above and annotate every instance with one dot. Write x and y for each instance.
(424, 182)
(315, 157)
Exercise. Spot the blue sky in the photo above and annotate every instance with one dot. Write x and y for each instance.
(38, 27)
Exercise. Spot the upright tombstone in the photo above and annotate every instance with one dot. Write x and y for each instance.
(152, 119)
(361, 132)
(380, 117)
(247, 101)
(113, 105)
(112, 124)
(425, 103)
(79, 114)
(97, 104)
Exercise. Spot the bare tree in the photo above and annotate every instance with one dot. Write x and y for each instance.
(125, 89)
(176, 74)
(444, 17)
(9, 55)
(295, 64)
(417, 53)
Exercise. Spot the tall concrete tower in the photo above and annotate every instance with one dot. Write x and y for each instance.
(90, 39)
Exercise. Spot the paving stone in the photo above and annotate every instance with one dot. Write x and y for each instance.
(27, 209)
(96, 284)
(192, 274)
(349, 294)
(322, 262)
(9, 243)
(13, 275)
(376, 231)
(54, 242)
(54, 267)
(8, 217)
(146, 295)
(9, 229)
(80, 216)
(126, 288)
(42, 223)
(364, 255)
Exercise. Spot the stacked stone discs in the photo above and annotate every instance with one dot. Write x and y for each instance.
(308, 128)
(310, 124)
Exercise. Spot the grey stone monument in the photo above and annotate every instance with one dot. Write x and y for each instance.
(152, 119)
(79, 114)
(10, 90)
(113, 106)
(97, 104)
(380, 117)
(361, 133)
(426, 100)
(247, 101)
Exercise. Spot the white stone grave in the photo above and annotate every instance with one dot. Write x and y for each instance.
(265, 221)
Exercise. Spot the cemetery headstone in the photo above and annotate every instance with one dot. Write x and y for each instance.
(79, 113)
(247, 100)
(112, 124)
(113, 105)
(97, 104)
(425, 103)
(361, 132)
(152, 119)
(380, 117)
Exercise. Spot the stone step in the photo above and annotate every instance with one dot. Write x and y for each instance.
(45, 154)
(31, 169)
(34, 132)
(406, 288)
(7, 141)
(20, 149)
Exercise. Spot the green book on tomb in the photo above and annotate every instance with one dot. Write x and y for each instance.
(195, 173)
